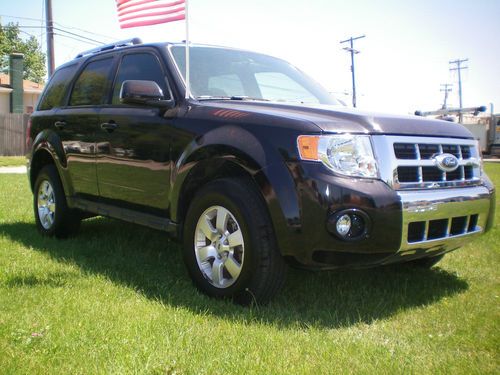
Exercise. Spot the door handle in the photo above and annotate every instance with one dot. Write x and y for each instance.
(109, 126)
(60, 124)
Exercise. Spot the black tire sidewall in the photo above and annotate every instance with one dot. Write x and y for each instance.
(219, 194)
(49, 173)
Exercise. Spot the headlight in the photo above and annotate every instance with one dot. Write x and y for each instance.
(347, 154)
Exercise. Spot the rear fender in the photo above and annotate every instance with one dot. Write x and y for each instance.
(47, 141)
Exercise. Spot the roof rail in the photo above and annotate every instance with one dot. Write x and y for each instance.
(106, 47)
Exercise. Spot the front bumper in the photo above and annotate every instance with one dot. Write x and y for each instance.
(443, 220)
(405, 225)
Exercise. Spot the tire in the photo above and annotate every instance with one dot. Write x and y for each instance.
(428, 262)
(229, 246)
(52, 215)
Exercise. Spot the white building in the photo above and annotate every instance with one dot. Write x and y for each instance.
(31, 93)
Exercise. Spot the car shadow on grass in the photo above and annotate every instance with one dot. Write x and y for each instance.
(151, 264)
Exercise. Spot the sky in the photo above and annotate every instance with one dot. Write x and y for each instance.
(403, 59)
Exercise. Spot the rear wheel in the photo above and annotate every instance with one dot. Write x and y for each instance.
(52, 215)
(229, 246)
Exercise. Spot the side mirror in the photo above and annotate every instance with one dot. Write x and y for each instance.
(143, 93)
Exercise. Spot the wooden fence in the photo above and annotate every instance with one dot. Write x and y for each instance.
(13, 128)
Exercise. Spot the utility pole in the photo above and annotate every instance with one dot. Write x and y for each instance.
(49, 26)
(353, 52)
(446, 88)
(458, 67)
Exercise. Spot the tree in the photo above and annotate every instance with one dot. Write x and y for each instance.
(34, 58)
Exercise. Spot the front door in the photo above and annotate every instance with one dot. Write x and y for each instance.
(133, 146)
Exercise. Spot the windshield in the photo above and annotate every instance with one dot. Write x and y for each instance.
(234, 74)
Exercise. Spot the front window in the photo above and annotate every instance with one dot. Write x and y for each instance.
(139, 66)
(228, 73)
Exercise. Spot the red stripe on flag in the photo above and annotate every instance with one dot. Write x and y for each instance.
(121, 2)
(147, 7)
(153, 21)
(151, 14)
(134, 13)
(131, 4)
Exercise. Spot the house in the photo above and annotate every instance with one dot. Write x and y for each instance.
(18, 95)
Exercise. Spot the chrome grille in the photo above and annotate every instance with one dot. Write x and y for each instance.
(408, 162)
(419, 231)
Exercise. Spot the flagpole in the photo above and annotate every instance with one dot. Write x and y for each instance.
(188, 88)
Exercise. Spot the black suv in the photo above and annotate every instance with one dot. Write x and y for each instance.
(258, 168)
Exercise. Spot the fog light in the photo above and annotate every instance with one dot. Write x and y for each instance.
(343, 225)
(349, 225)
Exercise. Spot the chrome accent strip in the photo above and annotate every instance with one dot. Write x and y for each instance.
(427, 205)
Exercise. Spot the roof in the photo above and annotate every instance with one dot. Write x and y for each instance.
(29, 87)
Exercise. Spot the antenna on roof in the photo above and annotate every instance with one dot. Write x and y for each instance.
(107, 47)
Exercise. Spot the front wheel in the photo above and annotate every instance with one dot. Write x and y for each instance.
(52, 215)
(229, 245)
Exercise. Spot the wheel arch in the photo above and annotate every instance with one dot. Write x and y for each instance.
(198, 173)
(274, 184)
(48, 149)
(40, 159)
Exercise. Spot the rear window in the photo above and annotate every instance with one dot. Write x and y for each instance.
(54, 94)
(90, 87)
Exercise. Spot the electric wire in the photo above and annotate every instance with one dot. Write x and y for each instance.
(61, 30)
(60, 25)
(78, 40)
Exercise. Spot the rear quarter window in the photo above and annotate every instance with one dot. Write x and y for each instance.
(54, 93)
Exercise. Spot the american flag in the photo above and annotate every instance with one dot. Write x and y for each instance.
(134, 13)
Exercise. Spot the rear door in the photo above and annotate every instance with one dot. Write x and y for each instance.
(78, 123)
(133, 150)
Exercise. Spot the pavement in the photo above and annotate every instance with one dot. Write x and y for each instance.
(18, 170)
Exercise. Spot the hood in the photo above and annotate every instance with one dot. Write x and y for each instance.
(336, 119)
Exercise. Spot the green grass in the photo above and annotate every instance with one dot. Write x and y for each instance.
(117, 300)
(12, 161)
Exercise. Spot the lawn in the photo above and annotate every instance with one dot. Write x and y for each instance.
(12, 161)
(117, 300)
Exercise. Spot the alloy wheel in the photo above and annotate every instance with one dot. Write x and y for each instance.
(46, 204)
(219, 246)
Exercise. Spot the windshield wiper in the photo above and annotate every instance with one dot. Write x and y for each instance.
(244, 97)
(234, 97)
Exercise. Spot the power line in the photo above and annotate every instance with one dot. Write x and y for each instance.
(21, 18)
(85, 31)
(62, 30)
(78, 35)
(78, 40)
(60, 25)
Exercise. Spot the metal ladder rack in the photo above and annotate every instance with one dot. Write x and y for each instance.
(107, 47)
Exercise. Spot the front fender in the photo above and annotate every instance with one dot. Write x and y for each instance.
(205, 156)
(225, 143)
(279, 190)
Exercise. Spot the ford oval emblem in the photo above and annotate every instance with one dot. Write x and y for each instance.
(446, 162)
